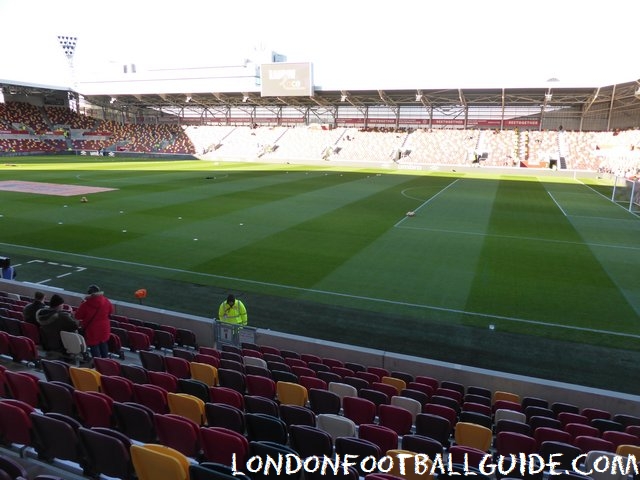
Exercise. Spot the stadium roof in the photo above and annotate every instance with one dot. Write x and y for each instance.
(618, 97)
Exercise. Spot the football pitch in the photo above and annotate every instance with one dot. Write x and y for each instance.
(530, 274)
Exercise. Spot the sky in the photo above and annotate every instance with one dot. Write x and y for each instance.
(352, 44)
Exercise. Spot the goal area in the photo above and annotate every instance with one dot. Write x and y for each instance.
(626, 192)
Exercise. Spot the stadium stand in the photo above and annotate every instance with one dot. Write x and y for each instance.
(30, 129)
(225, 385)
(584, 418)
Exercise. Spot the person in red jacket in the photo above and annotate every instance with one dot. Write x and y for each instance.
(93, 314)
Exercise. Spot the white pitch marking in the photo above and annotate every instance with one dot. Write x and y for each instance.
(604, 196)
(516, 237)
(325, 292)
(427, 201)
(64, 275)
(557, 204)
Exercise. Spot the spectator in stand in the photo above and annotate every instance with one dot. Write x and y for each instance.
(8, 272)
(93, 313)
(53, 320)
(29, 311)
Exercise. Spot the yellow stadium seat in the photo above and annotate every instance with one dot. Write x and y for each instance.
(153, 462)
(508, 396)
(290, 393)
(473, 435)
(188, 406)
(204, 372)
(395, 382)
(85, 379)
(409, 466)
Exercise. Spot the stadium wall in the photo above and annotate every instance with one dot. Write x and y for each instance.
(614, 402)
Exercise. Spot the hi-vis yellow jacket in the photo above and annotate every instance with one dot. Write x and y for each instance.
(236, 313)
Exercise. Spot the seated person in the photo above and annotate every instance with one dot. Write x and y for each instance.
(30, 310)
(53, 320)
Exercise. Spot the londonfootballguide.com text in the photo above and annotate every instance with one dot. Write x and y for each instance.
(422, 464)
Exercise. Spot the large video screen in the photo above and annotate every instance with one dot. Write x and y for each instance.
(286, 80)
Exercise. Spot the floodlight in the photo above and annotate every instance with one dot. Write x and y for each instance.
(418, 97)
(68, 45)
(245, 98)
(188, 99)
(343, 98)
(113, 100)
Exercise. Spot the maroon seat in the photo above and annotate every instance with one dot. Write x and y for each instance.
(31, 331)
(95, 409)
(208, 359)
(106, 452)
(138, 341)
(222, 445)
(312, 382)
(209, 351)
(107, 366)
(226, 395)
(261, 386)
(152, 396)
(166, 380)
(179, 433)
(15, 423)
(149, 332)
(23, 349)
(56, 437)
(360, 410)
(5, 348)
(120, 389)
(57, 397)
(396, 418)
(383, 437)
(178, 366)
(24, 387)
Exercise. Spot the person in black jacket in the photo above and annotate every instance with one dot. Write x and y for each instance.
(53, 320)
(29, 311)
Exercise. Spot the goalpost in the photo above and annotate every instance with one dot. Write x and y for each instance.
(626, 192)
(624, 167)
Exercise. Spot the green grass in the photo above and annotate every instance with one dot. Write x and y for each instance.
(549, 262)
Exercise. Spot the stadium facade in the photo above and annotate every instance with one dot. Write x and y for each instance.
(265, 90)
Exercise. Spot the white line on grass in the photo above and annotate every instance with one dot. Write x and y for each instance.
(404, 194)
(326, 292)
(604, 196)
(557, 204)
(610, 219)
(517, 237)
(426, 201)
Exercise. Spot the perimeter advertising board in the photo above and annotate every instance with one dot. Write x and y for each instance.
(286, 80)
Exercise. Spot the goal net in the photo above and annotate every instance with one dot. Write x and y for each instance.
(626, 192)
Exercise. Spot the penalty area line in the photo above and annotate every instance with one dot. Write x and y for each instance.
(557, 204)
(327, 293)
